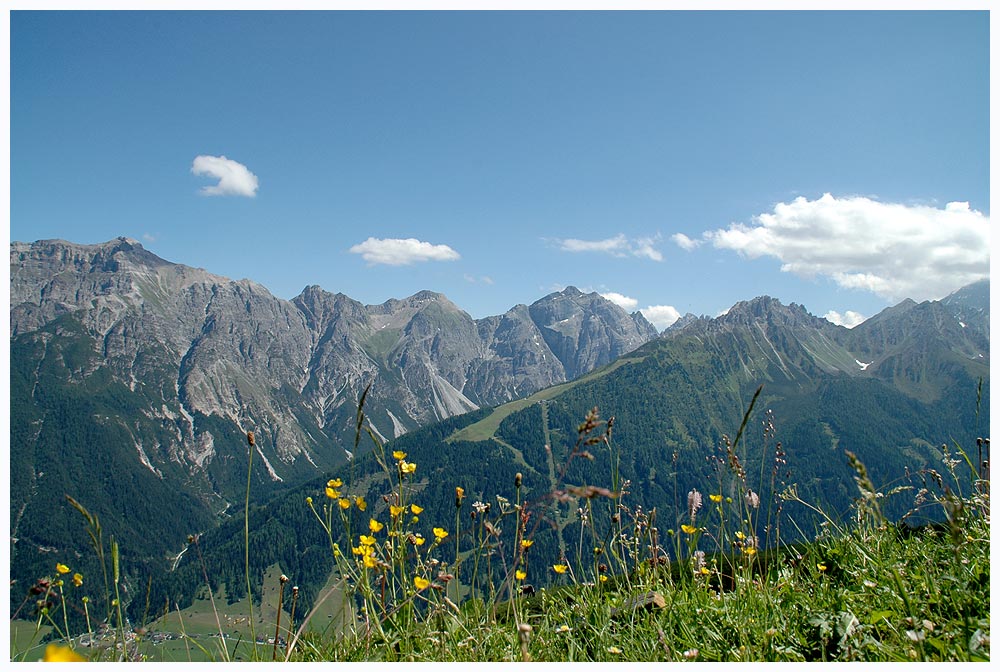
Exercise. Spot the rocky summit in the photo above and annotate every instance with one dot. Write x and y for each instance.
(200, 346)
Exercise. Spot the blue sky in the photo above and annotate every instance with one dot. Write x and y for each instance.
(674, 161)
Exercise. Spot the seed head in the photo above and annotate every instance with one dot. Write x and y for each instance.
(250, 438)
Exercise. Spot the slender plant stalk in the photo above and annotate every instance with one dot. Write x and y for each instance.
(246, 544)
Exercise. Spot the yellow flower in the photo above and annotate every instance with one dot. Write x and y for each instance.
(398, 454)
(54, 653)
(394, 510)
(369, 561)
(560, 569)
(309, 501)
(821, 567)
(459, 495)
(367, 541)
(715, 498)
(418, 540)
(407, 467)
(360, 503)
(344, 503)
(61, 568)
(563, 628)
(440, 533)
(704, 570)
(520, 575)
(688, 529)
(334, 483)
(615, 650)
(420, 582)
(374, 525)
(526, 543)
(750, 551)
(740, 535)
(78, 579)
(417, 510)
(332, 493)
(358, 550)
(603, 578)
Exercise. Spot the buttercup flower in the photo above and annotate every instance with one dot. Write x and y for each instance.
(55, 653)
(416, 510)
(560, 569)
(344, 503)
(440, 533)
(420, 582)
(394, 510)
(374, 525)
(526, 543)
(520, 575)
(367, 540)
(715, 498)
(688, 529)
(334, 483)
(360, 503)
(407, 467)
(61, 568)
(332, 493)
(78, 579)
(398, 454)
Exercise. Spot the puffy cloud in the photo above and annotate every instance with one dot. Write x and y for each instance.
(895, 251)
(618, 246)
(234, 178)
(625, 302)
(402, 251)
(684, 242)
(850, 319)
(661, 316)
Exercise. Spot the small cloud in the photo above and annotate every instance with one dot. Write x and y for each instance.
(617, 246)
(483, 279)
(624, 302)
(661, 317)
(234, 178)
(893, 250)
(402, 251)
(685, 243)
(149, 238)
(486, 280)
(849, 319)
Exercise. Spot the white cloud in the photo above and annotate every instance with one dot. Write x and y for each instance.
(625, 302)
(849, 319)
(661, 316)
(472, 280)
(234, 178)
(684, 242)
(618, 246)
(149, 238)
(895, 251)
(402, 251)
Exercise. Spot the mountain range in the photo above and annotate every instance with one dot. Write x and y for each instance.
(145, 375)
(134, 380)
